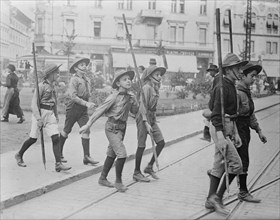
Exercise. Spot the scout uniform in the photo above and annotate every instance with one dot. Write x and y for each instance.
(231, 65)
(246, 119)
(11, 100)
(151, 95)
(48, 118)
(77, 103)
(116, 107)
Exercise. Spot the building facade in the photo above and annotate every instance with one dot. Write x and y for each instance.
(16, 34)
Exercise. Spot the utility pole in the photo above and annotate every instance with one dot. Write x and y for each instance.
(247, 54)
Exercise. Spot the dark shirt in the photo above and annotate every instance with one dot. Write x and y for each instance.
(230, 102)
(12, 80)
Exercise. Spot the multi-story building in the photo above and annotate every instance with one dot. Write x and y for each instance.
(265, 35)
(15, 34)
(183, 28)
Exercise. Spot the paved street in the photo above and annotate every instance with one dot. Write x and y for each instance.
(179, 194)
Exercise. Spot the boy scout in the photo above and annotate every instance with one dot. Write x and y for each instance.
(77, 106)
(146, 121)
(48, 119)
(116, 107)
(246, 119)
(221, 135)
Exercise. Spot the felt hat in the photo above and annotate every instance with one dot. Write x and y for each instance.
(76, 62)
(213, 67)
(121, 73)
(11, 67)
(49, 69)
(150, 70)
(250, 67)
(231, 60)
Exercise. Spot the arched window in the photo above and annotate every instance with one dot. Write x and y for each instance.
(269, 23)
(275, 22)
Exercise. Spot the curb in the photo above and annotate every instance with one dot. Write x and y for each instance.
(50, 187)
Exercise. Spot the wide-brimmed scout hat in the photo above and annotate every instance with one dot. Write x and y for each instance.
(121, 73)
(213, 67)
(231, 60)
(77, 61)
(153, 61)
(150, 70)
(11, 67)
(250, 67)
(50, 68)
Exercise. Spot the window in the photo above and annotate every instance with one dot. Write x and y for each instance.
(129, 4)
(253, 20)
(275, 24)
(120, 30)
(120, 4)
(97, 29)
(226, 18)
(181, 31)
(152, 5)
(173, 6)
(274, 48)
(252, 46)
(269, 23)
(226, 45)
(40, 25)
(182, 7)
(70, 26)
(268, 47)
(98, 3)
(173, 34)
(203, 7)
(202, 35)
(151, 32)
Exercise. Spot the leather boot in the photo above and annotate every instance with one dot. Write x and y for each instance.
(63, 160)
(60, 167)
(149, 170)
(21, 120)
(89, 160)
(19, 160)
(120, 187)
(216, 202)
(105, 182)
(247, 197)
(206, 134)
(5, 119)
(139, 177)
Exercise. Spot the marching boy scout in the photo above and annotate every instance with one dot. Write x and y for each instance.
(246, 119)
(146, 121)
(77, 105)
(48, 119)
(221, 135)
(116, 107)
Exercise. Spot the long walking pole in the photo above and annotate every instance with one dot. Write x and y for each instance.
(230, 31)
(141, 87)
(221, 88)
(38, 103)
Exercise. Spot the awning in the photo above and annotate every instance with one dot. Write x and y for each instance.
(125, 59)
(187, 64)
(272, 68)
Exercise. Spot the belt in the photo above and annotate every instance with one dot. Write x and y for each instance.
(231, 117)
(117, 124)
(47, 107)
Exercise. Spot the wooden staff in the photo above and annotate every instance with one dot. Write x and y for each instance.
(38, 104)
(221, 88)
(141, 87)
(230, 31)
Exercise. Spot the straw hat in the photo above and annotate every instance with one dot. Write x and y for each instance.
(250, 67)
(76, 62)
(231, 60)
(121, 73)
(49, 69)
(150, 70)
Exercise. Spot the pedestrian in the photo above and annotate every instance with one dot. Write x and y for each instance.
(77, 105)
(223, 134)
(214, 73)
(116, 107)
(246, 119)
(147, 123)
(11, 100)
(48, 118)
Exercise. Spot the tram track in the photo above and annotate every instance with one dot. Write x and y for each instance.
(204, 212)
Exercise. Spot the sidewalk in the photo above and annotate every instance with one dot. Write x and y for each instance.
(19, 184)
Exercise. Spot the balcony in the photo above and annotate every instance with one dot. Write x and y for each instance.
(152, 16)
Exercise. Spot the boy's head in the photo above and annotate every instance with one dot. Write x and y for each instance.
(154, 74)
(123, 79)
(249, 72)
(51, 72)
(11, 68)
(79, 65)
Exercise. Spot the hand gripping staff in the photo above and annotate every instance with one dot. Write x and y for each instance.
(221, 89)
(38, 103)
(141, 87)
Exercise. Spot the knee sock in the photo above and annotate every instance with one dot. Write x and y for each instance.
(243, 182)
(107, 166)
(26, 145)
(85, 143)
(138, 158)
(119, 168)
(56, 149)
(159, 147)
(62, 140)
(214, 184)
(223, 186)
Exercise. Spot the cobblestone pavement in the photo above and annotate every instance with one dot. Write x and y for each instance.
(179, 193)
